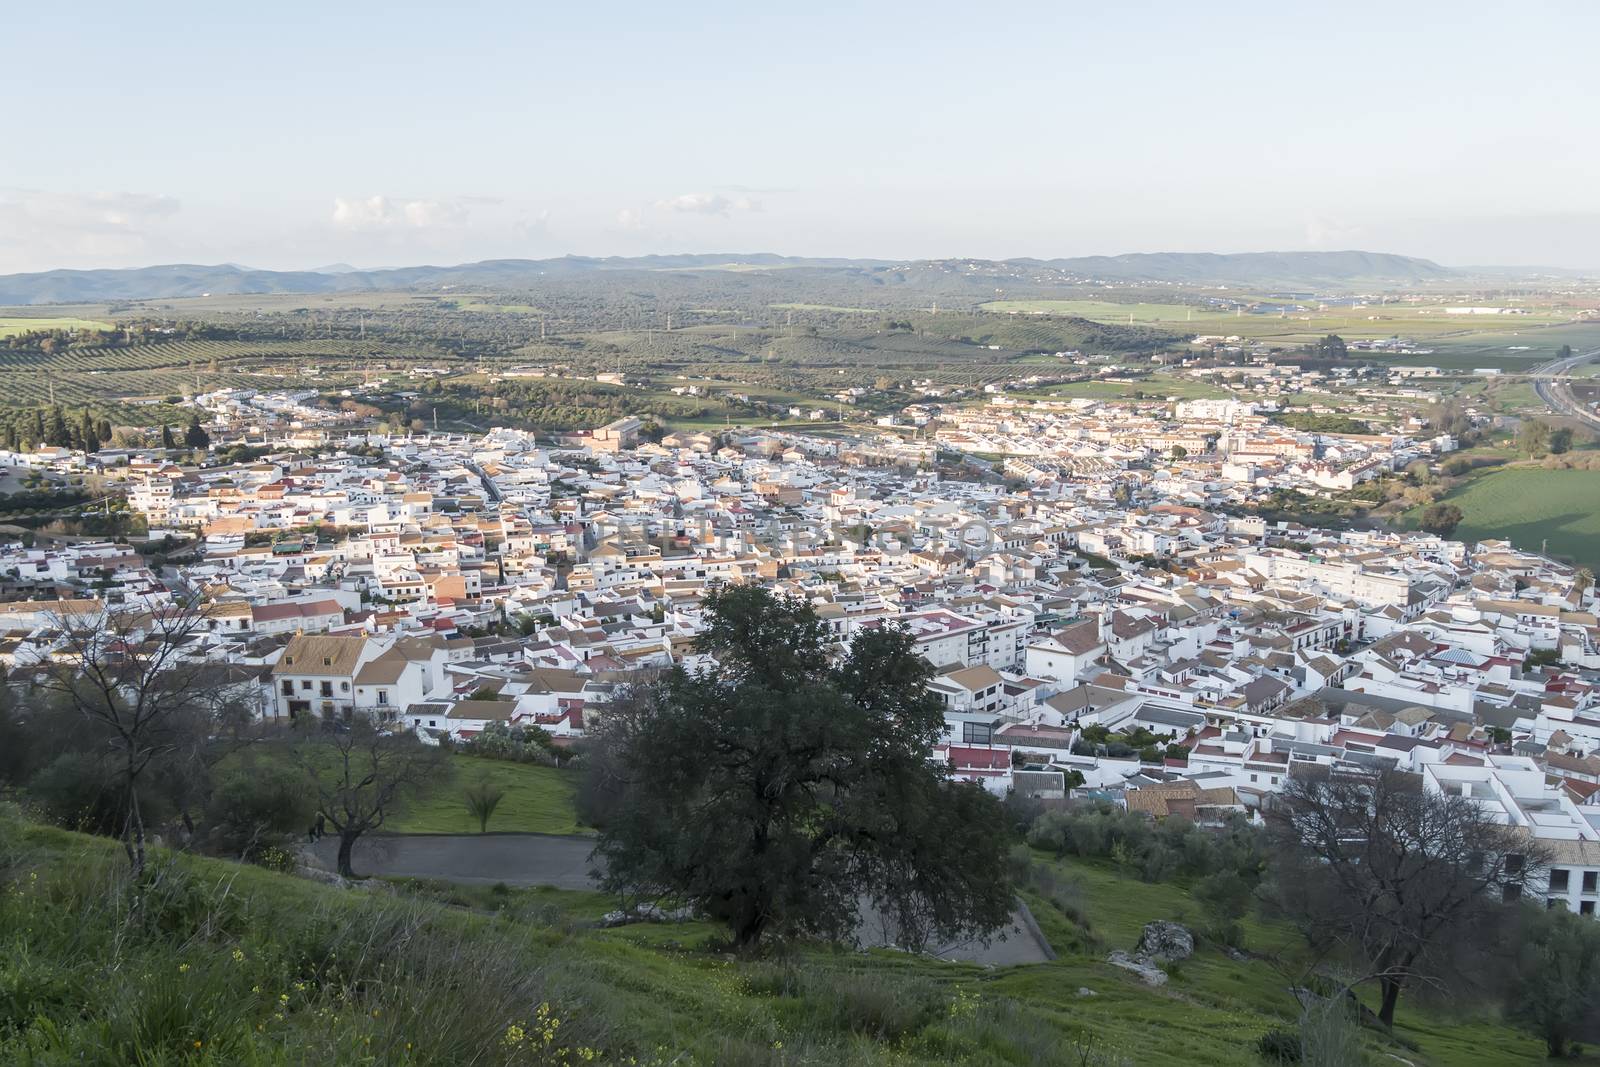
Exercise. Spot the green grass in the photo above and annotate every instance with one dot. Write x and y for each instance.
(538, 800)
(1530, 506)
(431, 974)
(10, 327)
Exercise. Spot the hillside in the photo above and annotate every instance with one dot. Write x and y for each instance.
(215, 963)
(1259, 268)
(1335, 269)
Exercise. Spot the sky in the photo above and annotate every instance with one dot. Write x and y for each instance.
(296, 135)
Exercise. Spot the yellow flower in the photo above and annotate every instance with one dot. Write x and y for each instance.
(183, 968)
(515, 1035)
(238, 956)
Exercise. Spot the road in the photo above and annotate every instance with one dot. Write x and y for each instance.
(563, 863)
(1550, 382)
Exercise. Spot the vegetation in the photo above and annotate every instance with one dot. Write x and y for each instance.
(1535, 509)
(1403, 882)
(779, 791)
(538, 799)
(436, 976)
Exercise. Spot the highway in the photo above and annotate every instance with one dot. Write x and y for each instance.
(1552, 382)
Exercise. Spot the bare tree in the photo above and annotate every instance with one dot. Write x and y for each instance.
(142, 680)
(1376, 867)
(360, 775)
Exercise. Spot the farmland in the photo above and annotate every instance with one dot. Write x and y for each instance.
(141, 374)
(1422, 322)
(12, 326)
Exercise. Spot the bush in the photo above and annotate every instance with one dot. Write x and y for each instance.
(256, 809)
(1279, 1046)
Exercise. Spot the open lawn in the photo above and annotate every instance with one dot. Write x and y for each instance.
(538, 799)
(1533, 508)
(10, 327)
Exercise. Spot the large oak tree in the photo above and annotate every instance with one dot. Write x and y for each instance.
(790, 786)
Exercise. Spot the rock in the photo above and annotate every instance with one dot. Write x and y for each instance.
(1141, 965)
(648, 913)
(1165, 941)
(1085, 991)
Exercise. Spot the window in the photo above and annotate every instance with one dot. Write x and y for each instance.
(1513, 863)
(327, 689)
(1558, 879)
(305, 683)
(1511, 893)
(1586, 907)
(1253, 778)
(344, 687)
(288, 688)
(976, 733)
(1589, 880)
(383, 696)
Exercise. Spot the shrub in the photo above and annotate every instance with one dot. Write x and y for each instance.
(1279, 1046)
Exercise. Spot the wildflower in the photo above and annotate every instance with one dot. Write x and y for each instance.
(515, 1036)
(255, 989)
(183, 968)
(238, 956)
(198, 1043)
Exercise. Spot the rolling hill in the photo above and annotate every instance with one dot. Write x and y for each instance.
(1313, 269)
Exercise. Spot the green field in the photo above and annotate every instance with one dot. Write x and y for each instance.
(10, 327)
(1423, 322)
(538, 799)
(1532, 507)
(286, 970)
(1103, 311)
(1155, 387)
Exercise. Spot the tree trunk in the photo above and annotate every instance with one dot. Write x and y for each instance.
(347, 844)
(135, 841)
(1556, 1045)
(747, 933)
(1391, 994)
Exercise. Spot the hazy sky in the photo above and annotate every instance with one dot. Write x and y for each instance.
(298, 134)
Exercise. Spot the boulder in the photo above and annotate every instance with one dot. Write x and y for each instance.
(1165, 941)
(647, 913)
(1141, 965)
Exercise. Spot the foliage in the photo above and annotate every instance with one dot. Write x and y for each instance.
(516, 744)
(1158, 851)
(482, 797)
(1441, 519)
(1557, 983)
(779, 791)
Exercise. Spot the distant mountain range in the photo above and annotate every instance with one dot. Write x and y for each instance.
(1304, 269)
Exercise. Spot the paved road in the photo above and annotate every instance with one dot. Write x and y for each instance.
(563, 863)
(1550, 381)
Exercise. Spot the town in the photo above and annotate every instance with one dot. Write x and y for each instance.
(1105, 617)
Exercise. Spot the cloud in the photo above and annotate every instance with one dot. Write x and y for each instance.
(630, 219)
(82, 226)
(386, 213)
(708, 204)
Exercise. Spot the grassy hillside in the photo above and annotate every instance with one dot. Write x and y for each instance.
(213, 963)
(537, 799)
(1534, 509)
